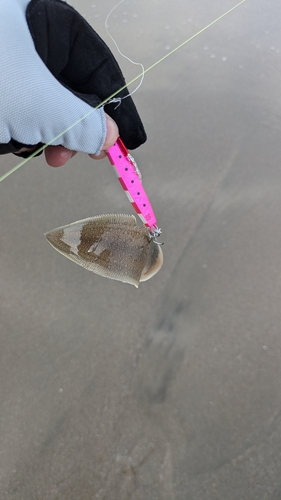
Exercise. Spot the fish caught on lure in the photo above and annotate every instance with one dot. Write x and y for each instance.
(112, 246)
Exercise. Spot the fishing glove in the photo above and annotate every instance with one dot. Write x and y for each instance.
(54, 69)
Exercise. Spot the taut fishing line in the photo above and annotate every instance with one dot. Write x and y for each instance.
(111, 97)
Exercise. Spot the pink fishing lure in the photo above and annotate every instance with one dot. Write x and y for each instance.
(130, 179)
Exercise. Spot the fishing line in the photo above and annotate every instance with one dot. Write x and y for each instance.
(119, 99)
(119, 90)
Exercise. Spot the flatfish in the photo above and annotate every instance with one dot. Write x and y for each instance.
(112, 246)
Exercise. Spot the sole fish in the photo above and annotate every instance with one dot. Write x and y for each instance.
(112, 246)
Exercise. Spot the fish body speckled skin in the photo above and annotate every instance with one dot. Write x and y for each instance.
(112, 246)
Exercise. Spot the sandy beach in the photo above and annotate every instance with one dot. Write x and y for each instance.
(170, 391)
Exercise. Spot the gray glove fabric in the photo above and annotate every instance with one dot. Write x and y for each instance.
(54, 70)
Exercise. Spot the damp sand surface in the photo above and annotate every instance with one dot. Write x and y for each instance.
(172, 390)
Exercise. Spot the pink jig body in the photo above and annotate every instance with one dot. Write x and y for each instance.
(130, 179)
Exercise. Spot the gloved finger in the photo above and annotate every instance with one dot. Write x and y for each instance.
(99, 157)
(112, 134)
(56, 156)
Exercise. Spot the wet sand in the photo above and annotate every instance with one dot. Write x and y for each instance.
(170, 391)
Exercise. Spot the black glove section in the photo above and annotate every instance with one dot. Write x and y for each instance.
(80, 60)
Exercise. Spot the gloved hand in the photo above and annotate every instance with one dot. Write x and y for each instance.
(54, 69)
